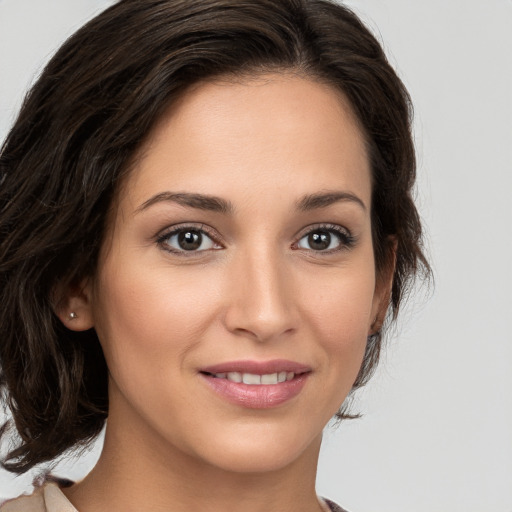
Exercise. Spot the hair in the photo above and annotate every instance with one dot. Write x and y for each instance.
(82, 123)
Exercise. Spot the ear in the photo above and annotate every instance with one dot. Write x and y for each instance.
(383, 288)
(73, 305)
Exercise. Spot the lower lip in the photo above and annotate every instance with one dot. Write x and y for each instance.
(264, 396)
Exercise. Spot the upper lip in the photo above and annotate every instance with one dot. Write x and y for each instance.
(257, 367)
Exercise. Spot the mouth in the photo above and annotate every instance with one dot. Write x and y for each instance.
(257, 385)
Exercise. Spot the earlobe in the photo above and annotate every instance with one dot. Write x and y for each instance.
(73, 306)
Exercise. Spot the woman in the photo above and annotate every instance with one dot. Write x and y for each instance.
(206, 218)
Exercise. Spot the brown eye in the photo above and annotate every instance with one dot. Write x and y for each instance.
(319, 240)
(190, 240)
(187, 240)
(326, 239)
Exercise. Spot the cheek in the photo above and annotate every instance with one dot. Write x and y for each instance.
(340, 313)
(148, 318)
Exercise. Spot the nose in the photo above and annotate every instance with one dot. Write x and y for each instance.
(261, 299)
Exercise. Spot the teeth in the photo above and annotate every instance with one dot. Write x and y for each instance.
(233, 376)
(253, 379)
(269, 379)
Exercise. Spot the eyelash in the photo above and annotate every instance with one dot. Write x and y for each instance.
(346, 239)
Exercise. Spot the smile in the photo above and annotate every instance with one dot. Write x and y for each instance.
(257, 385)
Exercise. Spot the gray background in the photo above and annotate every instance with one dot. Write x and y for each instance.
(436, 435)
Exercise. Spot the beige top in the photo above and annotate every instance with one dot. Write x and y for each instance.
(50, 498)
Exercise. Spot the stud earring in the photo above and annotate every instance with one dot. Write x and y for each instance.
(72, 315)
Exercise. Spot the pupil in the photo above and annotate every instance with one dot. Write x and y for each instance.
(189, 240)
(320, 240)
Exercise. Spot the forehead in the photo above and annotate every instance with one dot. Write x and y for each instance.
(271, 128)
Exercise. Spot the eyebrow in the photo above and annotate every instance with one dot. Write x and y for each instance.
(324, 199)
(191, 200)
(217, 204)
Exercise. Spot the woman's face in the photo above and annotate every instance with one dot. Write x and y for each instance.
(241, 250)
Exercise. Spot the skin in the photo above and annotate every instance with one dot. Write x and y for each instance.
(259, 291)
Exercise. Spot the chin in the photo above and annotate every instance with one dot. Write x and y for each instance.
(260, 452)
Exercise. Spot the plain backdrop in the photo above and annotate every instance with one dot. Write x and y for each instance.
(436, 435)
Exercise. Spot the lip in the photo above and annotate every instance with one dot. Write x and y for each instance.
(256, 396)
(257, 367)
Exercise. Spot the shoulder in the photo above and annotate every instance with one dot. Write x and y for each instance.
(32, 503)
(48, 498)
(333, 506)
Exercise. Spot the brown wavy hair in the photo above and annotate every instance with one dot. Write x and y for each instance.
(81, 124)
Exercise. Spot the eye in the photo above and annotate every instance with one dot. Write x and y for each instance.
(187, 240)
(326, 239)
